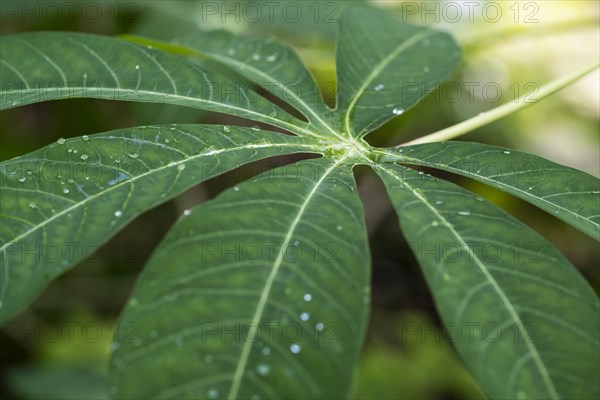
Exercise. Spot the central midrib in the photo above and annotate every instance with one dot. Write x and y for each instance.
(237, 379)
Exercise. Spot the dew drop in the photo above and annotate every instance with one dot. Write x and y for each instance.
(61, 141)
(295, 348)
(84, 156)
(226, 129)
(32, 205)
(506, 152)
(319, 326)
(272, 58)
(398, 111)
(180, 167)
(256, 128)
(118, 213)
(426, 69)
(305, 316)
(266, 351)
(263, 369)
(435, 223)
(307, 297)
(66, 191)
(167, 141)
(339, 227)
(296, 243)
(256, 57)
(69, 150)
(446, 277)
(213, 394)
(379, 88)
(23, 179)
(133, 155)
(465, 212)
(85, 138)
(438, 202)
(236, 188)
(137, 67)
(186, 212)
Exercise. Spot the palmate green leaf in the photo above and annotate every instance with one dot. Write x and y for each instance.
(567, 193)
(523, 319)
(60, 203)
(42, 66)
(385, 67)
(291, 246)
(261, 292)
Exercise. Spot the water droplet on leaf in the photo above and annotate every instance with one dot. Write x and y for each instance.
(263, 369)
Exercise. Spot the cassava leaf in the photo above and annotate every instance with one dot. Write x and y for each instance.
(42, 66)
(567, 193)
(385, 67)
(60, 203)
(265, 285)
(523, 319)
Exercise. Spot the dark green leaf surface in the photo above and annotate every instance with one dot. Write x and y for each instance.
(60, 203)
(567, 193)
(273, 66)
(261, 293)
(42, 66)
(385, 67)
(523, 319)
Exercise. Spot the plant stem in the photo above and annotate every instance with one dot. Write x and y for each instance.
(502, 111)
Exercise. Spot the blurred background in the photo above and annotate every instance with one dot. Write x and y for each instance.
(58, 348)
